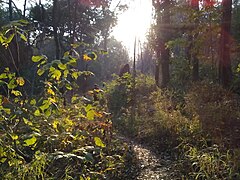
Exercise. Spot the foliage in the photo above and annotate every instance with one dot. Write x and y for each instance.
(119, 95)
(41, 139)
(199, 131)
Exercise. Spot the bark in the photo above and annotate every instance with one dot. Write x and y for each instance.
(165, 55)
(225, 72)
(55, 28)
(24, 8)
(10, 10)
(74, 22)
(157, 67)
(194, 59)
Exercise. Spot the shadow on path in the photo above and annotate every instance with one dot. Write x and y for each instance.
(146, 165)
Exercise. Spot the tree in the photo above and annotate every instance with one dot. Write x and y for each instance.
(162, 9)
(194, 59)
(225, 72)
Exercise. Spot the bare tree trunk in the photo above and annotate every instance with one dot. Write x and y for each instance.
(55, 28)
(165, 55)
(194, 59)
(74, 22)
(24, 8)
(225, 72)
(10, 10)
(157, 67)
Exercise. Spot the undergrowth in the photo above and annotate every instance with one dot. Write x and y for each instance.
(200, 129)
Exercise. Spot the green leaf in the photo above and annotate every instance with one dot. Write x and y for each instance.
(75, 75)
(48, 112)
(88, 156)
(92, 55)
(3, 76)
(74, 45)
(27, 122)
(99, 142)
(33, 102)
(88, 108)
(90, 115)
(37, 113)
(69, 87)
(66, 54)
(65, 73)
(62, 66)
(37, 58)
(12, 84)
(2, 82)
(45, 105)
(103, 52)
(22, 36)
(30, 141)
(23, 21)
(73, 62)
(2, 160)
(9, 39)
(40, 71)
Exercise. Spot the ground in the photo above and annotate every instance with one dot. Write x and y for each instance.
(148, 165)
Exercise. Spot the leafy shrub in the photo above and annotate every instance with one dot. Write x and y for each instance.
(42, 139)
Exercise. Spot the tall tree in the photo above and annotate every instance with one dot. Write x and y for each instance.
(162, 9)
(55, 20)
(225, 72)
(10, 10)
(194, 59)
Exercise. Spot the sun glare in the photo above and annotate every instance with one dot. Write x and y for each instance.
(134, 22)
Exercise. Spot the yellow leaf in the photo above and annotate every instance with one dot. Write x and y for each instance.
(14, 136)
(50, 91)
(86, 57)
(56, 74)
(55, 124)
(90, 115)
(99, 142)
(16, 93)
(98, 114)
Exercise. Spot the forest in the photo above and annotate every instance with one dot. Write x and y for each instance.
(76, 103)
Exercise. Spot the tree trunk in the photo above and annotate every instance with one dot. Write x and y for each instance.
(24, 8)
(55, 28)
(157, 67)
(193, 51)
(225, 72)
(10, 10)
(165, 55)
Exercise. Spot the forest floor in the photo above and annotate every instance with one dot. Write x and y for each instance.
(148, 163)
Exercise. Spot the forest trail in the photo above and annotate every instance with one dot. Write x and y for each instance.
(148, 165)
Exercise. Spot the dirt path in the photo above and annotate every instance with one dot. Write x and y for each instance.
(148, 165)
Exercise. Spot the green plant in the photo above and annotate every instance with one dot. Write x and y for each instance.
(43, 139)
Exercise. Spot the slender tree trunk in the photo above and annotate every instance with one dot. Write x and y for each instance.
(165, 54)
(225, 72)
(156, 5)
(10, 10)
(55, 28)
(24, 8)
(157, 67)
(194, 59)
(74, 22)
